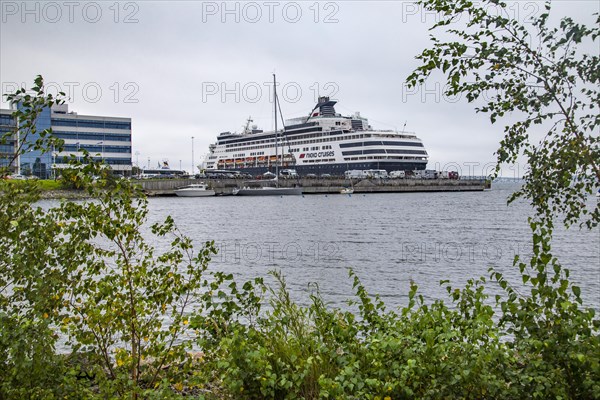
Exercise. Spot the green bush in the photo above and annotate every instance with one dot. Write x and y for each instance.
(425, 351)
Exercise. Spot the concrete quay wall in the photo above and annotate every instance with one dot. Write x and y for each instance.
(166, 187)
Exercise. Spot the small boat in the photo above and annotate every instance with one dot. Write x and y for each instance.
(195, 190)
(270, 191)
(348, 190)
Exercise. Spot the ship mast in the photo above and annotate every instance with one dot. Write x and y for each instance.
(276, 134)
(247, 126)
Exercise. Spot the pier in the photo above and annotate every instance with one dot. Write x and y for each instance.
(166, 187)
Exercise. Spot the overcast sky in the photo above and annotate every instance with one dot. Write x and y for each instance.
(190, 68)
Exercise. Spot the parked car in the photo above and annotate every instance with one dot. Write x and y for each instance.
(355, 174)
(376, 173)
(430, 174)
(397, 174)
(268, 175)
(288, 173)
(310, 176)
(325, 175)
(17, 177)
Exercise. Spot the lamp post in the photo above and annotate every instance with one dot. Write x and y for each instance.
(17, 144)
(102, 154)
(193, 168)
(137, 163)
(53, 162)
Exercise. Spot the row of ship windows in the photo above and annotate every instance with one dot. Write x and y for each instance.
(384, 151)
(319, 168)
(319, 161)
(271, 138)
(314, 148)
(260, 153)
(295, 141)
(255, 153)
(334, 137)
(294, 144)
(379, 143)
(383, 158)
(342, 168)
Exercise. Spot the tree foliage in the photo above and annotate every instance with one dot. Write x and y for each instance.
(31, 104)
(85, 271)
(532, 74)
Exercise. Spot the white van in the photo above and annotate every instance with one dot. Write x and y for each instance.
(289, 173)
(355, 174)
(376, 173)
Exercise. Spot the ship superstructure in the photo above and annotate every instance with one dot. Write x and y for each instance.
(324, 142)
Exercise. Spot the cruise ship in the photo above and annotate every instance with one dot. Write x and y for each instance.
(324, 142)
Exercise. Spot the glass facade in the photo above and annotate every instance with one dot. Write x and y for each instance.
(7, 146)
(91, 136)
(35, 162)
(73, 148)
(106, 139)
(91, 124)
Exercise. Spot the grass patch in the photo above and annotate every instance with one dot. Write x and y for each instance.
(43, 184)
(49, 184)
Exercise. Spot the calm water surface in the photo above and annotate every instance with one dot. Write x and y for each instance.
(388, 239)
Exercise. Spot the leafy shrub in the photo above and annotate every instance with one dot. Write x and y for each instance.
(423, 352)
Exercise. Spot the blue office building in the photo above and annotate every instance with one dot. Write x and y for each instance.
(7, 149)
(105, 138)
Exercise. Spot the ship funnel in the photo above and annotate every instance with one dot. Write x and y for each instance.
(326, 108)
